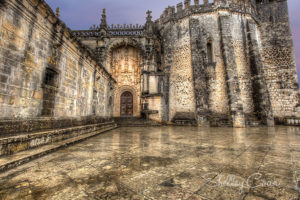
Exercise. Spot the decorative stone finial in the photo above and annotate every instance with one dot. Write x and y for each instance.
(187, 4)
(149, 17)
(179, 7)
(103, 24)
(149, 24)
(57, 12)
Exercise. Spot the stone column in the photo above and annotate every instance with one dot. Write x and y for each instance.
(235, 102)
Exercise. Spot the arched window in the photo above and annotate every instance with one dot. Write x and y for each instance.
(210, 56)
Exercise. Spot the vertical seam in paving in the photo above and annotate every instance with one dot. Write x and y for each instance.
(221, 170)
(295, 172)
(123, 185)
(262, 162)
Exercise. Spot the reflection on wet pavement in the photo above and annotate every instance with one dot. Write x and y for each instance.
(166, 163)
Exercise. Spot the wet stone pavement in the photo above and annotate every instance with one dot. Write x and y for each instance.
(166, 163)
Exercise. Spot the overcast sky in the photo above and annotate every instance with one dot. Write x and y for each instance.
(82, 14)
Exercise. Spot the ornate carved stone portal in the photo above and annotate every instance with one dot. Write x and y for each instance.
(126, 70)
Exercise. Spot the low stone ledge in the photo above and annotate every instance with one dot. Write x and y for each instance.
(15, 144)
(15, 126)
(10, 162)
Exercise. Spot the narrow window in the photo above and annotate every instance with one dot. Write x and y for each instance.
(271, 19)
(50, 77)
(49, 92)
(110, 101)
(209, 52)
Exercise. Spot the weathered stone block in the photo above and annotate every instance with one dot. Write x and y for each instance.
(3, 78)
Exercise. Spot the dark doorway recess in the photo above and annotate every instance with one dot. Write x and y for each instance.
(126, 104)
(50, 88)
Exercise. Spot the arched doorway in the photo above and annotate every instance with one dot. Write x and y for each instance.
(126, 104)
(125, 64)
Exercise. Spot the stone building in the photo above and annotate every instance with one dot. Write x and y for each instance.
(226, 62)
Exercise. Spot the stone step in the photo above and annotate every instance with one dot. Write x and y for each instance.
(292, 121)
(252, 121)
(15, 126)
(23, 157)
(16, 143)
(138, 122)
(220, 121)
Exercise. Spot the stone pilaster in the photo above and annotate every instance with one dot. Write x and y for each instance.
(262, 100)
(236, 106)
(199, 65)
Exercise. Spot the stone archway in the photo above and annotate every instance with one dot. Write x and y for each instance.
(126, 104)
(116, 43)
(136, 100)
(125, 64)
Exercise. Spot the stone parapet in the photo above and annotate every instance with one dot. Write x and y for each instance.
(181, 12)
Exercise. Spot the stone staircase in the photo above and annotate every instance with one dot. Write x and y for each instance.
(31, 139)
(135, 122)
(252, 121)
(292, 121)
(184, 119)
(220, 120)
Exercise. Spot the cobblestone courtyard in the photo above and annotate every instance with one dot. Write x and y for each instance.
(166, 163)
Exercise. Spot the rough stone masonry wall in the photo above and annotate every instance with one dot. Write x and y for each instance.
(178, 63)
(209, 78)
(32, 40)
(278, 59)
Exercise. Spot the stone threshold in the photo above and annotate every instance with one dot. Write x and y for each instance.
(23, 157)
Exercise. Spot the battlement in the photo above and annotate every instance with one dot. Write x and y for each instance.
(186, 8)
(267, 1)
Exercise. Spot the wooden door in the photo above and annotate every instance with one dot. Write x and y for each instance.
(126, 104)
